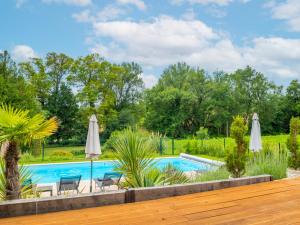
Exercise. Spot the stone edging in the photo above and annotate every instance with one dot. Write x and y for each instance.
(61, 203)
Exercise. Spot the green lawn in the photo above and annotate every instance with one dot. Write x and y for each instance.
(214, 149)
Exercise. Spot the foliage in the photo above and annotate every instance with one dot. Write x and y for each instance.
(293, 144)
(236, 159)
(172, 175)
(202, 133)
(158, 142)
(134, 155)
(25, 175)
(61, 155)
(218, 174)
(16, 128)
(78, 152)
(14, 88)
(274, 163)
(135, 160)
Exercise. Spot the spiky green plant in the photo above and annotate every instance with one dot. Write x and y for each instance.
(172, 175)
(134, 154)
(17, 127)
(25, 174)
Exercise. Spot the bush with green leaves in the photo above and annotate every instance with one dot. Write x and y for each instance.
(293, 144)
(274, 163)
(78, 152)
(61, 155)
(236, 158)
(192, 147)
(202, 133)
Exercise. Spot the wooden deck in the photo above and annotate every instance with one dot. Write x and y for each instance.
(276, 202)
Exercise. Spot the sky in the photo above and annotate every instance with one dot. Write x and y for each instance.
(209, 34)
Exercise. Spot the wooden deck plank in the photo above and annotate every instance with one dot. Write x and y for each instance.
(273, 203)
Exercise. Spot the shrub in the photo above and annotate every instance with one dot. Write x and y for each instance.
(212, 150)
(191, 147)
(236, 158)
(61, 155)
(202, 133)
(292, 143)
(274, 163)
(78, 152)
(26, 157)
(157, 142)
(219, 174)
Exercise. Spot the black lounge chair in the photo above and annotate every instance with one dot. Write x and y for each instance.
(108, 180)
(68, 184)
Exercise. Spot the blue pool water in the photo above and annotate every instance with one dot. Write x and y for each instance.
(51, 173)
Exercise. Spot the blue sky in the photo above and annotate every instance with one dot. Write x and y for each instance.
(212, 34)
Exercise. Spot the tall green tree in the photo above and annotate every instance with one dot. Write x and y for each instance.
(64, 106)
(14, 89)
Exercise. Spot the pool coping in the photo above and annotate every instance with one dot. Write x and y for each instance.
(87, 161)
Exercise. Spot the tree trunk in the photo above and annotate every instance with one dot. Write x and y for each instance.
(13, 189)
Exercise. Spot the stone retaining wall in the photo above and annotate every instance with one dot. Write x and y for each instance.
(61, 203)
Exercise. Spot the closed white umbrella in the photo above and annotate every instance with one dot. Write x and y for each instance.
(255, 139)
(92, 147)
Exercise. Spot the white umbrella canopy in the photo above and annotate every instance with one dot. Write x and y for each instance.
(255, 138)
(92, 147)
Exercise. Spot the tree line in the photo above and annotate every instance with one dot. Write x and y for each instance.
(184, 99)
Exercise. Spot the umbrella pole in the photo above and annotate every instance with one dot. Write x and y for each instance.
(91, 175)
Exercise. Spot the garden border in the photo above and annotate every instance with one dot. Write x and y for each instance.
(60, 203)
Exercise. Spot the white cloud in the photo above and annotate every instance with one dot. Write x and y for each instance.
(138, 3)
(109, 12)
(207, 2)
(288, 11)
(149, 80)
(22, 53)
(19, 3)
(166, 40)
(83, 16)
(70, 2)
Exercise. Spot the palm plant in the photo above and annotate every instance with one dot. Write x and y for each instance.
(18, 127)
(134, 154)
(25, 174)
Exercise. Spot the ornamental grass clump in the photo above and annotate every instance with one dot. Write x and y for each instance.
(274, 163)
(218, 174)
(236, 158)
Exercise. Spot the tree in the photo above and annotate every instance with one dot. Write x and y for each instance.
(130, 85)
(16, 128)
(252, 92)
(292, 143)
(36, 73)
(236, 159)
(177, 104)
(63, 105)
(14, 89)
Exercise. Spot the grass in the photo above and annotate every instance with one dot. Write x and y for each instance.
(213, 148)
(219, 174)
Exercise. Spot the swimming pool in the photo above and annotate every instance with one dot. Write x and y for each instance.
(51, 173)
